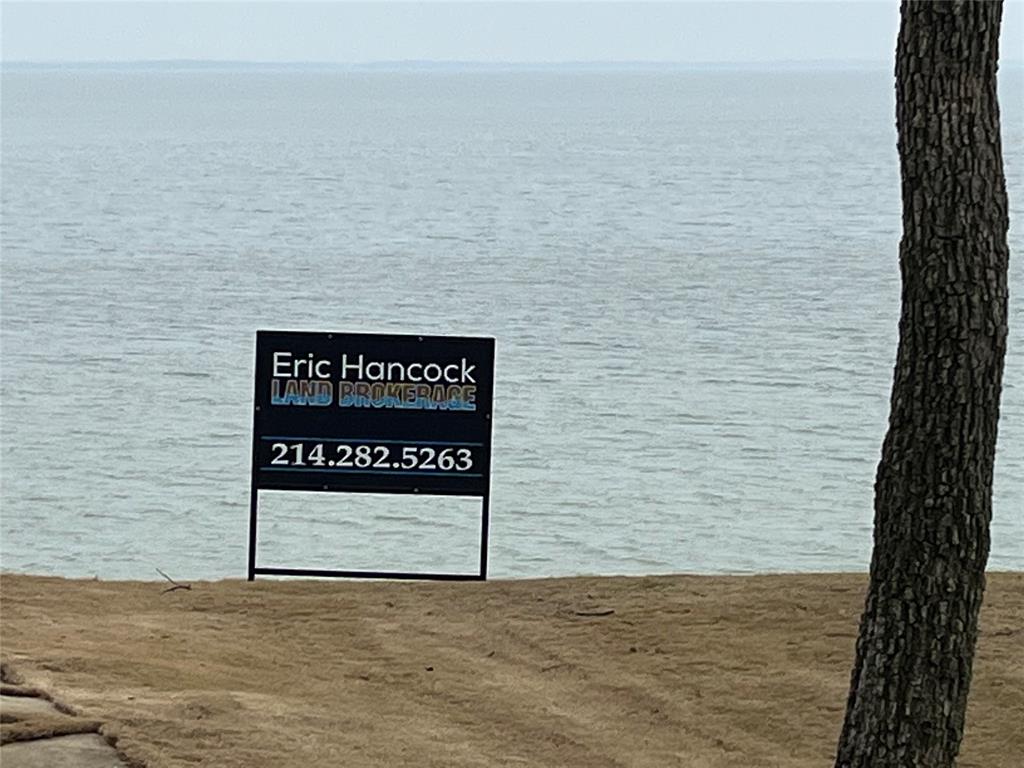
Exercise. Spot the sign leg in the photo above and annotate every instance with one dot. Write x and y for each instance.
(485, 525)
(253, 503)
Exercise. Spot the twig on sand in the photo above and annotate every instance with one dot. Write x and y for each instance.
(176, 584)
(606, 612)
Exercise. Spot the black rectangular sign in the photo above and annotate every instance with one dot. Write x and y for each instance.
(374, 413)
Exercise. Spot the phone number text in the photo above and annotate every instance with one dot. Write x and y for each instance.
(370, 457)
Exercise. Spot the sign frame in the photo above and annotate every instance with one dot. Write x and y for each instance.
(435, 483)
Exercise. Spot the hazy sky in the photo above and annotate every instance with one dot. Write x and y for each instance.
(484, 31)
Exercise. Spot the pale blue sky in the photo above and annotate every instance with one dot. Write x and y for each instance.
(735, 32)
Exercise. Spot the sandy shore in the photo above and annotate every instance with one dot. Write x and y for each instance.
(660, 671)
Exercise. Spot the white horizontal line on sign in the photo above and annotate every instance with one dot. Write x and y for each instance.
(365, 440)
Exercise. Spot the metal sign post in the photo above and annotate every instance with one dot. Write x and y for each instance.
(372, 413)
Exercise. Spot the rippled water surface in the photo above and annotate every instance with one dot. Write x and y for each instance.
(691, 277)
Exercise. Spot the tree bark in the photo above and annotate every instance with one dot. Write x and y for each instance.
(933, 489)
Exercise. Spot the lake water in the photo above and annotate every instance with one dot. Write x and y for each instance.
(691, 277)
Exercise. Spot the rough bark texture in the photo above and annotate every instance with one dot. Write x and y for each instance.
(933, 491)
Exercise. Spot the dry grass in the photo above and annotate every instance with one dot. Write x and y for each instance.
(701, 672)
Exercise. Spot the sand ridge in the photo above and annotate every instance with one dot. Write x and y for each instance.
(655, 671)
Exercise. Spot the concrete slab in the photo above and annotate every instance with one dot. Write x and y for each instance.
(87, 750)
(26, 707)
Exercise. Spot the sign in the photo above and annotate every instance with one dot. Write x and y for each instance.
(372, 413)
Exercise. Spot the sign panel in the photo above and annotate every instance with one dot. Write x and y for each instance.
(372, 413)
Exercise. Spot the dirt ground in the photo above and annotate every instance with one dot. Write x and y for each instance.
(688, 671)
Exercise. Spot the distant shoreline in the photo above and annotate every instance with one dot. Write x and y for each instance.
(468, 67)
(461, 66)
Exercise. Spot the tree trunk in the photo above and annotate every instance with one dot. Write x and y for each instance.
(933, 490)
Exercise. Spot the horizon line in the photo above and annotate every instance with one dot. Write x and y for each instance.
(466, 63)
(437, 62)
(463, 64)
